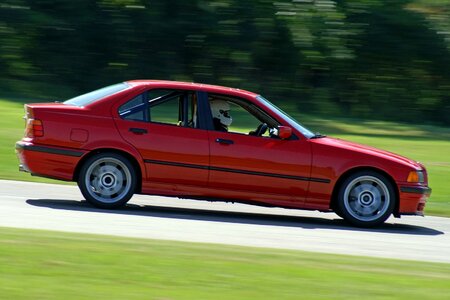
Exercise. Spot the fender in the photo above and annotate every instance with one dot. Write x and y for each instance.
(117, 145)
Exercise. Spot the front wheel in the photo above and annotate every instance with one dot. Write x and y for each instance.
(366, 199)
(107, 180)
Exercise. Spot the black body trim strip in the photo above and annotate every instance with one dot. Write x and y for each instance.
(220, 169)
(49, 150)
(416, 190)
(269, 174)
(175, 164)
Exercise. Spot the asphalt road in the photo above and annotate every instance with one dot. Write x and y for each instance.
(62, 208)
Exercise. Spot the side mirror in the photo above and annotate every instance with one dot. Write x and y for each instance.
(284, 132)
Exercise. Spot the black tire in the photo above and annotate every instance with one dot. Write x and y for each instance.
(338, 212)
(107, 180)
(366, 199)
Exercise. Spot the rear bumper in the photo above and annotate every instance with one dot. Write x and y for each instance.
(413, 199)
(53, 162)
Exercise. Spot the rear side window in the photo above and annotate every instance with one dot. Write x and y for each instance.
(167, 112)
(96, 95)
(172, 107)
(134, 109)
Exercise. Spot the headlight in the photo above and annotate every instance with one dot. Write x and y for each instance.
(416, 176)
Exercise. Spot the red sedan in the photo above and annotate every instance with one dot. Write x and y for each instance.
(212, 143)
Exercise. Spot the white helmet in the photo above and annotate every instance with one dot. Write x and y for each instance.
(221, 110)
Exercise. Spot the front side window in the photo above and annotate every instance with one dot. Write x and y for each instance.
(236, 115)
(306, 132)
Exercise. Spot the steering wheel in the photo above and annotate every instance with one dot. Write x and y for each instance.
(262, 128)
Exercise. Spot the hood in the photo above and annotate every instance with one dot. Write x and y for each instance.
(372, 151)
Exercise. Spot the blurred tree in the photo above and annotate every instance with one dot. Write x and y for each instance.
(365, 58)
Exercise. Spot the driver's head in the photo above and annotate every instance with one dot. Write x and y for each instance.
(221, 110)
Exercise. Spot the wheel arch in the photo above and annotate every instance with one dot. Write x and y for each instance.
(125, 154)
(352, 171)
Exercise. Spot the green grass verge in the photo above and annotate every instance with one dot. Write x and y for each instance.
(12, 128)
(50, 265)
(428, 144)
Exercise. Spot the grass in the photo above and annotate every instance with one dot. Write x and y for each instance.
(428, 144)
(49, 265)
(11, 130)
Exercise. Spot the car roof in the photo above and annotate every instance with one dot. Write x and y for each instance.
(191, 85)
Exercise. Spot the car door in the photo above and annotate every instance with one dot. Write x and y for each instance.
(260, 164)
(162, 125)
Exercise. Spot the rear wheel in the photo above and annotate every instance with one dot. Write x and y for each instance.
(107, 180)
(366, 199)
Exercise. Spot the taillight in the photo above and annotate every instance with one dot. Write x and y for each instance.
(34, 128)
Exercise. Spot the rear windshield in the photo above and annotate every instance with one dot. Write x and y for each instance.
(96, 95)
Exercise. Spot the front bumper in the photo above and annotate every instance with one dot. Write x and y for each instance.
(413, 199)
(422, 190)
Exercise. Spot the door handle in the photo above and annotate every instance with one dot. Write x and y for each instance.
(138, 130)
(224, 141)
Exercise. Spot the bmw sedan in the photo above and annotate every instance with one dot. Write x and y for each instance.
(208, 142)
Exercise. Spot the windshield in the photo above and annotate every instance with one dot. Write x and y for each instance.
(96, 95)
(291, 120)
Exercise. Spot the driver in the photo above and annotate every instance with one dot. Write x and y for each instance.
(220, 110)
